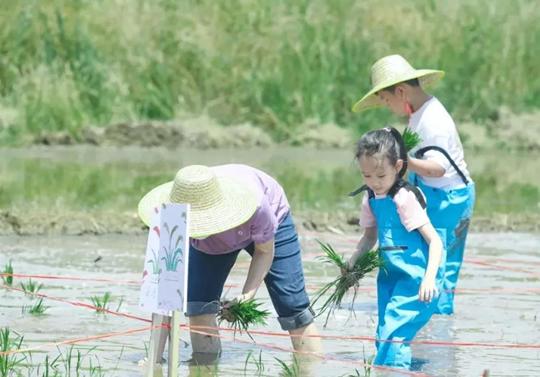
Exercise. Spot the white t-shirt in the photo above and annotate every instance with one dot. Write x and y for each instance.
(435, 127)
(410, 212)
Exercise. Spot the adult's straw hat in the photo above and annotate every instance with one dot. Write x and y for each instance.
(392, 70)
(217, 203)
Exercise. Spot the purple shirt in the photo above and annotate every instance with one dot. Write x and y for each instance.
(261, 227)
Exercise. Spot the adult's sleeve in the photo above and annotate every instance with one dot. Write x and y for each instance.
(264, 223)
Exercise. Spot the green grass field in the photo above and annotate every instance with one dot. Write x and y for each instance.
(69, 64)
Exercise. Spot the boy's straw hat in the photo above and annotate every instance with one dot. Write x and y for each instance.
(216, 203)
(392, 70)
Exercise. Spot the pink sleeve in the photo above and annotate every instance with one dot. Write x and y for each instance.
(367, 220)
(411, 213)
(264, 223)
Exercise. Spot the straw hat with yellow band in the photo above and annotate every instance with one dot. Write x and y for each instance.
(392, 70)
(216, 203)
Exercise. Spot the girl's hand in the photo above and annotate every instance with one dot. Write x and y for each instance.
(428, 291)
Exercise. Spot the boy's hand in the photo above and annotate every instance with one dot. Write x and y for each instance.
(428, 291)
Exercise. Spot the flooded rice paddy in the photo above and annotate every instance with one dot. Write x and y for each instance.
(496, 325)
(497, 307)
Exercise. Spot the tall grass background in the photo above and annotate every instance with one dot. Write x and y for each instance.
(69, 64)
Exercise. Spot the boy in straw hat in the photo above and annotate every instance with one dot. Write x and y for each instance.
(438, 166)
(235, 207)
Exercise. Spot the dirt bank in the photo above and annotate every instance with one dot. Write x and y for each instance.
(504, 130)
(101, 223)
(200, 133)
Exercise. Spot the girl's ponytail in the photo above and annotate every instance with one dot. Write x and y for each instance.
(402, 151)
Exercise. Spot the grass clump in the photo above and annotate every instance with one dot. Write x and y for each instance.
(8, 343)
(101, 303)
(289, 371)
(258, 364)
(241, 315)
(411, 139)
(37, 309)
(349, 278)
(31, 287)
(7, 276)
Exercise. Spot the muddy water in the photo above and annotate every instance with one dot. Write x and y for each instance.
(499, 303)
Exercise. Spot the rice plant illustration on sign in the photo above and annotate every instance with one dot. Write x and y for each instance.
(173, 255)
(165, 274)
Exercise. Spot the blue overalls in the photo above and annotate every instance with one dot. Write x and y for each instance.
(405, 258)
(450, 210)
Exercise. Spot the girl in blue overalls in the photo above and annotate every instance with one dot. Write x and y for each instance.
(393, 213)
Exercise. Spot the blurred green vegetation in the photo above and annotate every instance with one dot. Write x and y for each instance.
(72, 63)
(78, 187)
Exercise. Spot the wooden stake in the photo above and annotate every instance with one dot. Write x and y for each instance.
(153, 367)
(174, 344)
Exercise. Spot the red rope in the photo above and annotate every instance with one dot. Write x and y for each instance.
(306, 353)
(476, 261)
(269, 333)
(498, 267)
(78, 304)
(80, 340)
(309, 287)
(76, 278)
(372, 339)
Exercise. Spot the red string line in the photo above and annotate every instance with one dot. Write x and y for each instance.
(499, 267)
(305, 353)
(76, 278)
(309, 287)
(78, 304)
(372, 339)
(276, 334)
(477, 261)
(80, 340)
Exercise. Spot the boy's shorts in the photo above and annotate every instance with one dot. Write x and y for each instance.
(284, 281)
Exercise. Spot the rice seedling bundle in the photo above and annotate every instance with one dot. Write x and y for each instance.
(348, 278)
(411, 139)
(241, 315)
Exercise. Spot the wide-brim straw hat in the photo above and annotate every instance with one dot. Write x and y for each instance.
(392, 70)
(216, 203)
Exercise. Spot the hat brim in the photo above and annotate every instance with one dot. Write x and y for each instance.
(237, 206)
(427, 77)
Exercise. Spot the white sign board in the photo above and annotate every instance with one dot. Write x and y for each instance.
(164, 284)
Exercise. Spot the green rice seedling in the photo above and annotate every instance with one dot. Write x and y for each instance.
(242, 314)
(101, 303)
(74, 364)
(348, 277)
(8, 362)
(120, 304)
(50, 367)
(8, 278)
(258, 363)
(289, 371)
(31, 287)
(37, 308)
(411, 139)
(368, 362)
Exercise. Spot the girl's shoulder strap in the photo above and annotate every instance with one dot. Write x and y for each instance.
(403, 184)
(359, 190)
